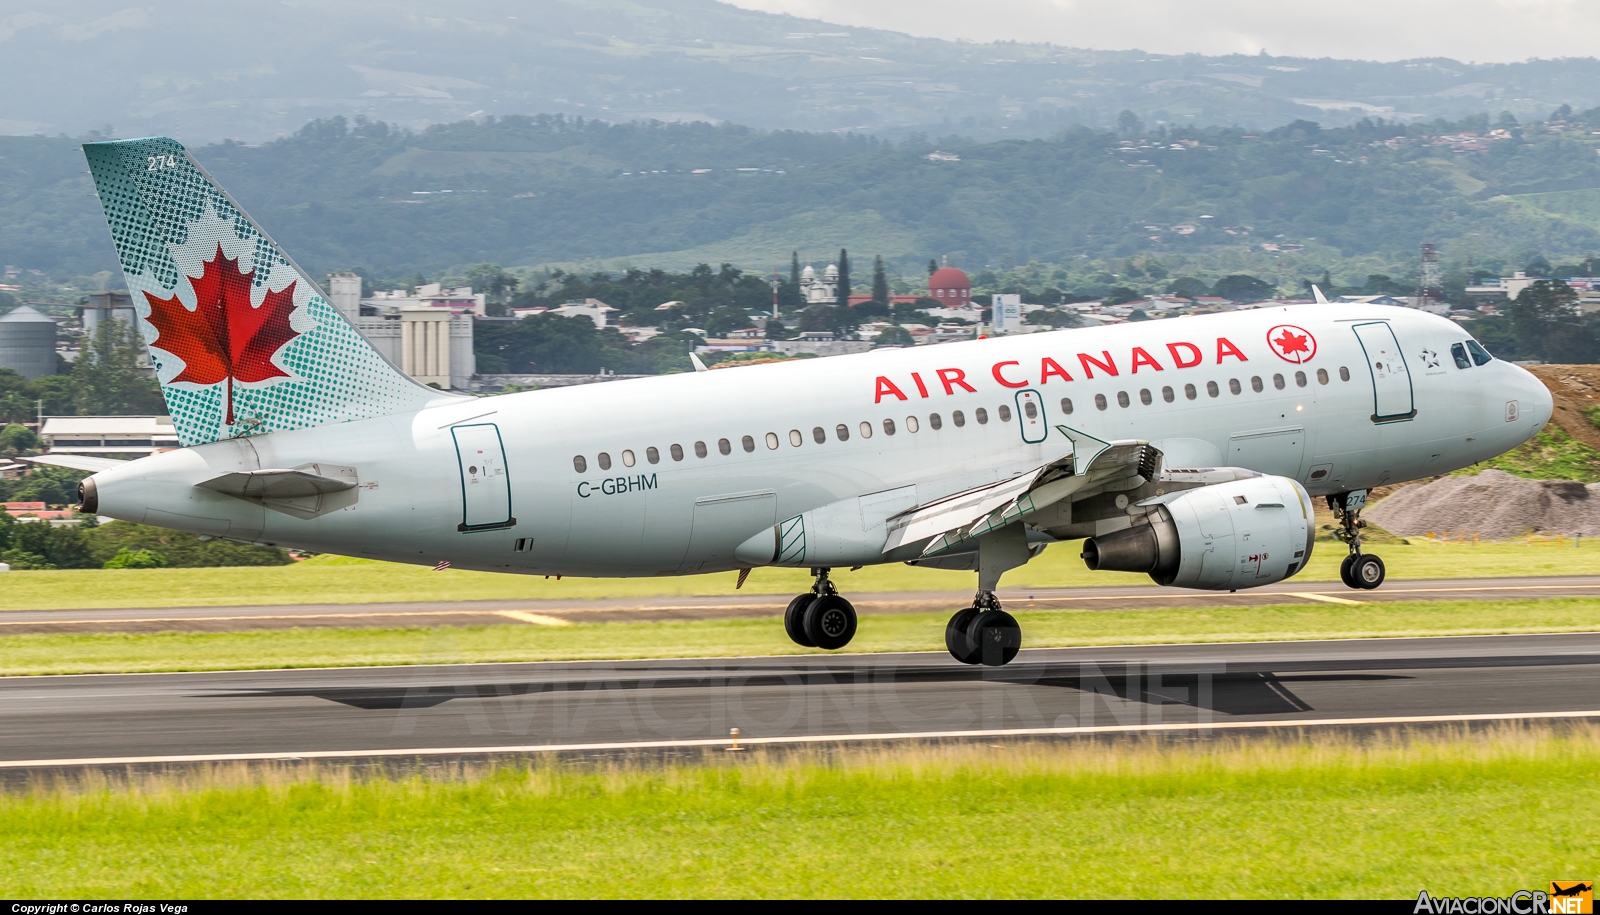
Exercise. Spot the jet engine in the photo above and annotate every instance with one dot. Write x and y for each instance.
(1221, 538)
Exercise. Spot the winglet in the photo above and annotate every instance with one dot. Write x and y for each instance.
(1317, 291)
(698, 365)
(1085, 448)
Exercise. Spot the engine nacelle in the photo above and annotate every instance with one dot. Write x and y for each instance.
(1221, 538)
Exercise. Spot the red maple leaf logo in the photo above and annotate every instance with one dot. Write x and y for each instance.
(225, 338)
(1292, 343)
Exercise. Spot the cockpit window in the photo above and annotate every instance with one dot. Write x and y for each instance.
(1459, 353)
(1479, 354)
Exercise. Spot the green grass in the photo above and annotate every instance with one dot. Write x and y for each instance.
(341, 580)
(1485, 814)
(166, 651)
(1551, 455)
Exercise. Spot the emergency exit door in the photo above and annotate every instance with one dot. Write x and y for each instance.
(485, 488)
(1392, 397)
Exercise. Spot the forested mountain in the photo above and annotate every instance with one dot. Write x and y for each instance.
(551, 190)
(204, 71)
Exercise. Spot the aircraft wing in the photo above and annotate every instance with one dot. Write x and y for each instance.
(75, 461)
(965, 515)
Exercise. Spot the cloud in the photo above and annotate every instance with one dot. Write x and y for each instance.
(15, 24)
(131, 18)
(1467, 30)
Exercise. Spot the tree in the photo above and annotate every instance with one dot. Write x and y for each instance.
(1188, 287)
(495, 283)
(106, 380)
(880, 281)
(1138, 314)
(1240, 287)
(933, 266)
(1128, 124)
(1549, 325)
(844, 277)
(1052, 318)
(894, 336)
(17, 439)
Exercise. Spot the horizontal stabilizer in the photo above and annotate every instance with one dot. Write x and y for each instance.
(75, 461)
(276, 484)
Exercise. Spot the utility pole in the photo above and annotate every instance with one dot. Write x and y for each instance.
(775, 286)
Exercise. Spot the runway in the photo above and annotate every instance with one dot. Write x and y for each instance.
(473, 711)
(735, 605)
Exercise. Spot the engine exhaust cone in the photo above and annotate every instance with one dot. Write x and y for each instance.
(1131, 550)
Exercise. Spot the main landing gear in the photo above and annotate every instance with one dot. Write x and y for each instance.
(1358, 570)
(820, 618)
(983, 633)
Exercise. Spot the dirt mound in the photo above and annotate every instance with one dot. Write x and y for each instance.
(1494, 503)
(1575, 389)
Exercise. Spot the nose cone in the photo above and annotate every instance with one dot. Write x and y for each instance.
(1535, 399)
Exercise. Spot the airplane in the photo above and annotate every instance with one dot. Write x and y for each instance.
(1189, 449)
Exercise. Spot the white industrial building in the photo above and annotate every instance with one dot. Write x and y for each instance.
(103, 435)
(428, 336)
(28, 343)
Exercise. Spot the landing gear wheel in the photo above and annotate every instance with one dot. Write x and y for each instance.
(997, 637)
(961, 647)
(1344, 572)
(794, 620)
(1367, 571)
(830, 622)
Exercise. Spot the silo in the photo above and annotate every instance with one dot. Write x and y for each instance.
(28, 343)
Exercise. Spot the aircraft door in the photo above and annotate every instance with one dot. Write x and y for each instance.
(1391, 380)
(485, 488)
(1030, 417)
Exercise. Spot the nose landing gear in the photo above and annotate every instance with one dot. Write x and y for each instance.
(820, 618)
(1363, 571)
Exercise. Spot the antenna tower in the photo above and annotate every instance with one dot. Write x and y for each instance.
(1432, 281)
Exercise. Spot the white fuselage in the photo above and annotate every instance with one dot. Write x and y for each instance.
(674, 516)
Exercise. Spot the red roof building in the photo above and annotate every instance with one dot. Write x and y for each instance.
(951, 287)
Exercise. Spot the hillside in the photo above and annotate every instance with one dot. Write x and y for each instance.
(205, 71)
(553, 190)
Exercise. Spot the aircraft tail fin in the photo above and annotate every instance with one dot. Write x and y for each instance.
(244, 341)
(1317, 291)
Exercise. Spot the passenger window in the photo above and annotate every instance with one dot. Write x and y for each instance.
(911, 424)
(580, 465)
(1144, 396)
(1122, 398)
(1211, 389)
(1255, 384)
(1322, 376)
(819, 435)
(1005, 413)
(677, 452)
(604, 460)
(959, 418)
(1190, 392)
(1459, 354)
(725, 448)
(652, 455)
(1031, 409)
(981, 415)
(1099, 401)
(748, 443)
(1479, 354)
(888, 427)
(1233, 386)
(843, 432)
(1066, 405)
(1344, 373)
(1300, 379)
(1167, 395)
(935, 421)
(1278, 382)
(772, 441)
(795, 438)
(866, 430)
(627, 458)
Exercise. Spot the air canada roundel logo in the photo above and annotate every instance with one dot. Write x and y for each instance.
(1292, 344)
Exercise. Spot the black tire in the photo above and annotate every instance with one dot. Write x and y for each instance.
(1344, 572)
(956, 642)
(830, 622)
(997, 636)
(794, 620)
(1368, 572)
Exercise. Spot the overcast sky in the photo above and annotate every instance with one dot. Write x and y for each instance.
(1467, 30)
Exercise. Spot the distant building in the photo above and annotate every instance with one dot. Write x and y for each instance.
(600, 313)
(823, 291)
(101, 307)
(102, 435)
(27, 343)
(950, 286)
(1005, 315)
(458, 299)
(428, 335)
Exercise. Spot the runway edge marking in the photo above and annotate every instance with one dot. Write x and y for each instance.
(802, 739)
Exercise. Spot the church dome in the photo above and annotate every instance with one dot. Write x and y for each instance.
(947, 284)
(810, 273)
(832, 272)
